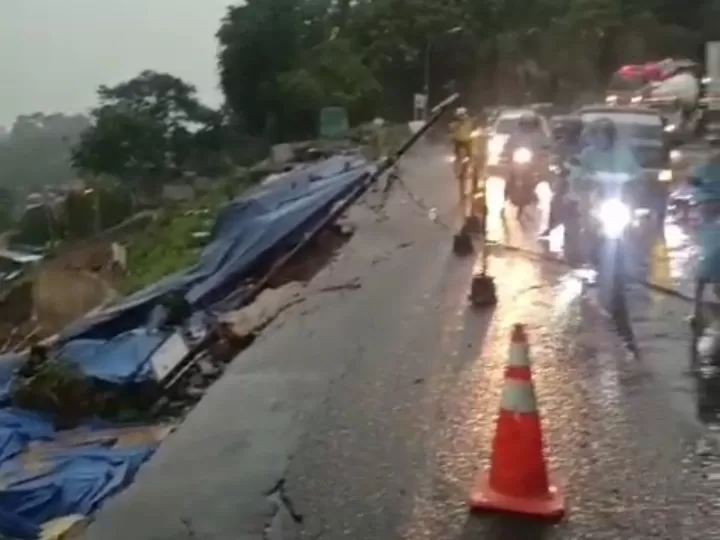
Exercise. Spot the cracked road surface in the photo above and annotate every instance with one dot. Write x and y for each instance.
(365, 413)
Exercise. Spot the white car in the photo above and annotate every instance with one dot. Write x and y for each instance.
(505, 124)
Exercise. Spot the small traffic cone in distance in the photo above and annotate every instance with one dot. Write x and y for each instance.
(517, 480)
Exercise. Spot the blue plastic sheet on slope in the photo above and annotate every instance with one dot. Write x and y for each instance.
(74, 481)
(115, 347)
(18, 428)
(122, 360)
(9, 363)
(245, 232)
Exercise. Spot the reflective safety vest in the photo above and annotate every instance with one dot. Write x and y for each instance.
(462, 130)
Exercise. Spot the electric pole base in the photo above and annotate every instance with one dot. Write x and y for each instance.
(482, 291)
(463, 244)
(473, 225)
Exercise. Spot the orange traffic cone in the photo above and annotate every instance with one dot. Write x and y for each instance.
(518, 479)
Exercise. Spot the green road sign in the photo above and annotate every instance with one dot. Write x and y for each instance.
(333, 122)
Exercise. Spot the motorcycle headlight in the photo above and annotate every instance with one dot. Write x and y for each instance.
(636, 99)
(670, 128)
(611, 99)
(665, 175)
(614, 216)
(676, 156)
(522, 156)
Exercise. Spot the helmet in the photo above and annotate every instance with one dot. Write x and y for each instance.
(461, 112)
(605, 128)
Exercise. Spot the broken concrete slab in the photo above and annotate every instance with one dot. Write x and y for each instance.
(268, 305)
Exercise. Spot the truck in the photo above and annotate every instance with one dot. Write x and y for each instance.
(671, 86)
(678, 97)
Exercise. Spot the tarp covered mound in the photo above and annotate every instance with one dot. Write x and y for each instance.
(114, 346)
(246, 231)
(62, 480)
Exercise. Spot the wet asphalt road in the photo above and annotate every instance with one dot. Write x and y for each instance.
(393, 450)
(366, 413)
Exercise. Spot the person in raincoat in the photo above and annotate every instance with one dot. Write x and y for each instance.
(604, 153)
(529, 135)
(480, 138)
(461, 130)
(705, 182)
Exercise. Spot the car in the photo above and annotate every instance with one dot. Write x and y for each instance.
(644, 130)
(504, 125)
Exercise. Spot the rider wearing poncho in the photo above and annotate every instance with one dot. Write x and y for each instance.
(604, 153)
(705, 180)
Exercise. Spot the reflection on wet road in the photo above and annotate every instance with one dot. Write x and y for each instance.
(394, 449)
(667, 259)
(648, 320)
(664, 258)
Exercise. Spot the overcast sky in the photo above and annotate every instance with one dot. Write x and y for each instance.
(54, 53)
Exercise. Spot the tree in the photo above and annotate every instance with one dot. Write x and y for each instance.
(330, 74)
(143, 130)
(258, 40)
(281, 61)
(7, 208)
(277, 56)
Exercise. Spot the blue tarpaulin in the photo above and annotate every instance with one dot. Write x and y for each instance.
(18, 428)
(71, 481)
(246, 231)
(8, 364)
(124, 359)
(115, 346)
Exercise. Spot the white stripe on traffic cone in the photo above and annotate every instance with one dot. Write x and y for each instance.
(519, 355)
(518, 397)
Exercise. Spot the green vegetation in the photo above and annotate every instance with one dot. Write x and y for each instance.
(7, 206)
(282, 59)
(150, 130)
(173, 241)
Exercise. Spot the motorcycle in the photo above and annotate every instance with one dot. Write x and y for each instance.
(522, 180)
(596, 234)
